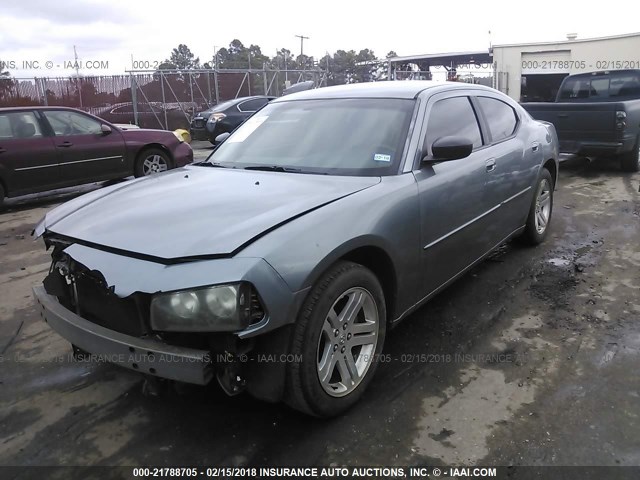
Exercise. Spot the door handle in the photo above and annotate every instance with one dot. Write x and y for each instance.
(563, 115)
(490, 164)
(66, 144)
(2, 150)
(535, 146)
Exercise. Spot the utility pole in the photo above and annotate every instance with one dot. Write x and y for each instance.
(302, 39)
(78, 84)
(215, 58)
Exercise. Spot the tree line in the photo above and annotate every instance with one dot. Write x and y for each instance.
(343, 66)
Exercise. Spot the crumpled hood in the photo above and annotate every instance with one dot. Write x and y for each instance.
(195, 211)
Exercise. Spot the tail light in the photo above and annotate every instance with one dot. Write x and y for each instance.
(621, 117)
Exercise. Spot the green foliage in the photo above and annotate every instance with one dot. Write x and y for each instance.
(6, 82)
(343, 66)
(181, 59)
(239, 56)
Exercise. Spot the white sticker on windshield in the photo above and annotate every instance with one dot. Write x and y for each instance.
(246, 129)
(381, 157)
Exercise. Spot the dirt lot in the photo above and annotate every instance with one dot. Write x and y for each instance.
(531, 359)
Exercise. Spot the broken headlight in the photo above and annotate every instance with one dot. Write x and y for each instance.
(221, 308)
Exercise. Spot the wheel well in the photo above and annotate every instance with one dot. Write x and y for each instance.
(154, 145)
(553, 169)
(379, 262)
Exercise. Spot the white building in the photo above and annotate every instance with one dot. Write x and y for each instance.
(534, 71)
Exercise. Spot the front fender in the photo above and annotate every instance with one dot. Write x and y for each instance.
(385, 216)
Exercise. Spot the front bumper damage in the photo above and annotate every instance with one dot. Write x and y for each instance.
(103, 323)
(143, 355)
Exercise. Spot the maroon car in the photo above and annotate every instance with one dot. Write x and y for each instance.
(42, 148)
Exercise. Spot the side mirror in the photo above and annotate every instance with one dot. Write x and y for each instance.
(221, 138)
(450, 148)
(106, 129)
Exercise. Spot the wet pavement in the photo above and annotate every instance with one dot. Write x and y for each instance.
(530, 359)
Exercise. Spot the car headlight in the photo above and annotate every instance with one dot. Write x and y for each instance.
(221, 308)
(216, 117)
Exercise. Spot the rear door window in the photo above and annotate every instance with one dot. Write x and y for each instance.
(19, 125)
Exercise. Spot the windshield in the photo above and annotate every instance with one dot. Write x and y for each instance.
(335, 136)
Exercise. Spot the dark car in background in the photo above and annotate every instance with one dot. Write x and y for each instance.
(198, 126)
(227, 116)
(597, 114)
(150, 115)
(42, 148)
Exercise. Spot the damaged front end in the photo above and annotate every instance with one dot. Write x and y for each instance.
(104, 304)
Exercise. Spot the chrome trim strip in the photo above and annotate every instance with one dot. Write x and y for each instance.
(477, 218)
(119, 157)
(516, 195)
(31, 168)
(461, 227)
(435, 291)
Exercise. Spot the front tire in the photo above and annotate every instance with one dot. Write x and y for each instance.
(539, 218)
(2, 194)
(630, 161)
(337, 341)
(152, 160)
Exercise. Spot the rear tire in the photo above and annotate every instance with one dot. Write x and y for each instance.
(152, 160)
(336, 342)
(539, 218)
(630, 161)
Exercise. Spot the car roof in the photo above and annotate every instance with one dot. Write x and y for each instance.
(39, 107)
(386, 89)
(604, 72)
(242, 99)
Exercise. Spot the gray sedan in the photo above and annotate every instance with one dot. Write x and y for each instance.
(278, 265)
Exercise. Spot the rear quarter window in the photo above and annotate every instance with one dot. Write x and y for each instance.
(501, 118)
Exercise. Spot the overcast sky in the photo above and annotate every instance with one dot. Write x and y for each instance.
(113, 31)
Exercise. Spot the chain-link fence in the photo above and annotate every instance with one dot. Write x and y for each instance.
(152, 99)
(168, 99)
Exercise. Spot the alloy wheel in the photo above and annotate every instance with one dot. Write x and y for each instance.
(347, 342)
(543, 206)
(154, 164)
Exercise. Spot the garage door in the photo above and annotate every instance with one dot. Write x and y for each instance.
(542, 63)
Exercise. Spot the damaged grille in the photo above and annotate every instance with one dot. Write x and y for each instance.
(86, 293)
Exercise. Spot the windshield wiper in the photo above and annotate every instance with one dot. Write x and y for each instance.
(209, 164)
(273, 168)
